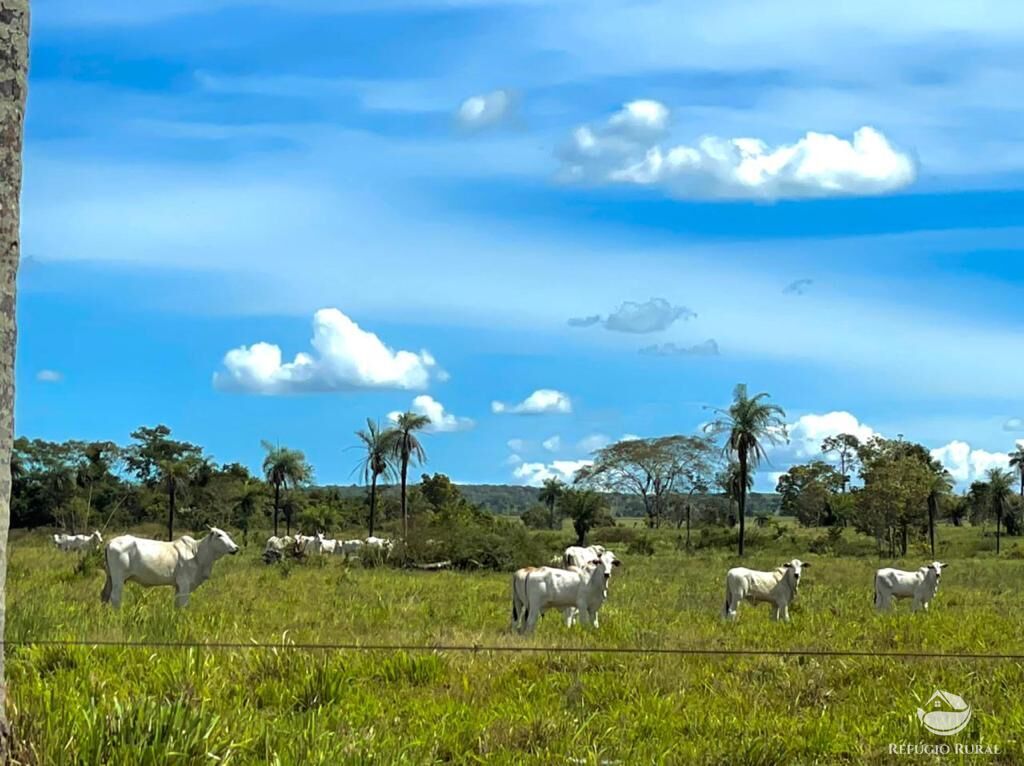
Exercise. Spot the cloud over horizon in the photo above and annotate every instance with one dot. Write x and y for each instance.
(543, 401)
(441, 421)
(651, 316)
(346, 358)
(627, 149)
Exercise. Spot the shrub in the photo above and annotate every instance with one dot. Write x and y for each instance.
(642, 546)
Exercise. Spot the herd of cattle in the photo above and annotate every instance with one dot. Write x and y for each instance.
(576, 584)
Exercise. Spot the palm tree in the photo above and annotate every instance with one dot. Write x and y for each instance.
(246, 505)
(550, 492)
(406, 448)
(1000, 487)
(175, 476)
(1017, 461)
(749, 424)
(284, 468)
(376, 462)
(14, 75)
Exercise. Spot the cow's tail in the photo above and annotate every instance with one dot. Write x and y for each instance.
(878, 594)
(108, 585)
(728, 599)
(515, 602)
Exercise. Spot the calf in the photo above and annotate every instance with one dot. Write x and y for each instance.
(78, 542)
(777, 588)
(921, 586)
(535, 590)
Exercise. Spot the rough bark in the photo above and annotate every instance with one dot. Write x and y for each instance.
(13, 89)
(373, 502)
(743, 499)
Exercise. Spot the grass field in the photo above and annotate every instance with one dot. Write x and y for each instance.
(116, 705)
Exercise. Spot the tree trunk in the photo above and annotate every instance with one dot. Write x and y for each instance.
(373, 502)
(999, 519)
(170, 510)
(13, 84)
(932, 502)
(687, 526)
(903, 538)
(553, 523)
(277, 505)
(743, 498)
(405, 511)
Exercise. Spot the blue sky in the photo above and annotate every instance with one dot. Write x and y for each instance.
(820, 201)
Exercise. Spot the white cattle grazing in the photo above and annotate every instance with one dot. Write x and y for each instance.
(921, 586)
(536, 590)
(777, 588)
(184, 564)
(379, 545)
(321, 545)
(350, 547)
(577, 556)
(277, 547)
(78, 542)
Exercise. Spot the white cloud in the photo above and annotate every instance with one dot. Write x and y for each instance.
(347, 357)
(540, 402)
(440, 420)
(553, 444)
(625, 150)
(809, 431)
(487, 110)
(966, 464)
(49, 376)
(1014, 424)
(707, 348)
(654, 315)
(534, 474)
(594, 442)
(516, 445)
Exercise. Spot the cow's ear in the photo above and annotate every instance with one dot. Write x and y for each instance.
(787, 565)
(616, 563)
(805, 565)
(596, 562)
(943, 564)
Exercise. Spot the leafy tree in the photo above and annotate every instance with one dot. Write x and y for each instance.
(537, 517)
(550, 492)
(940, 486)
(587, 509)
(844, 447)
(748, 424)
(1017, 462)
(439, 492)
(248, 502)
(375, 463)
(1000, 487)
(653, 469)
(807, 492)
(405, 447)
(158, 460)
(284, 468)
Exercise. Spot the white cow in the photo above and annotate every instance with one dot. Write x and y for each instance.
(380, 545)
(350, 547)
(777, 588)
(577, 556)
(536, 590)
(921, 586)
(321, 545)
(185, 563)
(78, 542)
(277, 547)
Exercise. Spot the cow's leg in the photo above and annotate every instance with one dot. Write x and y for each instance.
(570, 616)
(181, 593)
(916, 605)
(785, 612)
(775, 612)
(116, 587)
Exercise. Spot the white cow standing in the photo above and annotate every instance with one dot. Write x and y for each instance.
(277, 547)
(576, 557)
(350, 547)
(777, 588)
(921, 586)
(184, 564)
(78, 542)
(538, 589)
(380, 546)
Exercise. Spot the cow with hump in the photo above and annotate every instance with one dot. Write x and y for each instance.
(184, 564)
(776, 588)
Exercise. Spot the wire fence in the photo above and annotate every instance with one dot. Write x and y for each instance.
(679, 651)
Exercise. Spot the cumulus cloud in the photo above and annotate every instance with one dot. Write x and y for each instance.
(1014, 424)
(516, 445)
(534, 474)
(966, 464)
(441, 421)
(553, 444)
(487, 110)
(707, 348)
(594, 442)
(654, 315)
(346, 357)
(541, 402)
(626, 149)
(799, 287)
(49, 376)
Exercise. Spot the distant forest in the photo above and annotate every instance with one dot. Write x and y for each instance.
(515, 500)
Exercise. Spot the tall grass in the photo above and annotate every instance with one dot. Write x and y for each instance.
(119, 705)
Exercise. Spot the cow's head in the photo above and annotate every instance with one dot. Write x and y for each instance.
(795, 567)
(937, 567)
(222, 542)
(98, 536)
